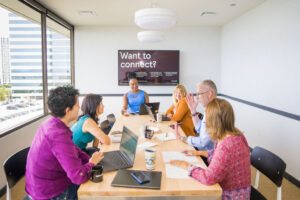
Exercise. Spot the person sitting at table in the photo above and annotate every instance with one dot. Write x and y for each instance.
(86, 128)
(135, 97)
(180, 112)
(229, 160)
(55, 165)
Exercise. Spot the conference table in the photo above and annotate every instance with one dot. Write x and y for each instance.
(171, 188)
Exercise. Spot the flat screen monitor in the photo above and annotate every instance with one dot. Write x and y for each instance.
(151, 67)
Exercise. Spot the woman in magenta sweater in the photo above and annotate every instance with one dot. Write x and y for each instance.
(229, 161)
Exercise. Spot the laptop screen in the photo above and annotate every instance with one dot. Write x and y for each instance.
(128, 143)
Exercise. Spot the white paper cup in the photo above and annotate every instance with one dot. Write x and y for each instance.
(159, 117)
(150, 156)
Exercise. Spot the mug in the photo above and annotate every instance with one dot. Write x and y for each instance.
(149, 133)
(150, 157)
(97, 175)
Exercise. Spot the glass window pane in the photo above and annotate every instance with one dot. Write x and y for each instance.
(21, 91)
(58, 55)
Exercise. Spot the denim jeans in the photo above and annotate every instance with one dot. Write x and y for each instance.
(69, 194)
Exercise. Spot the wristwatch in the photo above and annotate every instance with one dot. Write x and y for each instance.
(195, 114)
(184, 139)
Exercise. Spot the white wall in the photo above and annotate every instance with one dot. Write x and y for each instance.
(14, 142)
(96, 56)
(260, 63)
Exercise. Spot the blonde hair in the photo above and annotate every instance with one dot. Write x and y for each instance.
(220, 119)
(182, 90)
(210, 85)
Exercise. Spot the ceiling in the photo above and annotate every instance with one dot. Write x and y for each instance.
(121, 12)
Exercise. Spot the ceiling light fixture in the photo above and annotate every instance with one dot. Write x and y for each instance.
(87, 13)
(150, 36)
(155, 18)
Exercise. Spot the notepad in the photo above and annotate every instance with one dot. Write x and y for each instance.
(170, 155)
(166, 136)
(145, 145)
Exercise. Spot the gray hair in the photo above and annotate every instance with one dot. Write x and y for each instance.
(210, 85)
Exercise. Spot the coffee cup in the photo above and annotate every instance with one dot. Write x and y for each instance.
(150, 157)
(97, 173)
(148, 133)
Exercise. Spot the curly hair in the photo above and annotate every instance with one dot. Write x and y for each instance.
(61, 98)
(90, 104)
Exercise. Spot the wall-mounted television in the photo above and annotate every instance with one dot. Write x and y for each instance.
(151, 67)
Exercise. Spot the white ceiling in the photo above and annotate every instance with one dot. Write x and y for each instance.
(121, 12)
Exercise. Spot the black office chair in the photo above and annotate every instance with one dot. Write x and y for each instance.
(111, 118)
(270, 165)
(14, 168)
(105, 126)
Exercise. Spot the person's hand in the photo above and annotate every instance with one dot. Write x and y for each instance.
(191, 102)
(180, 163)
(123, 111)
(96, 158)
(175, 129)
(191, 152)
(169, 116)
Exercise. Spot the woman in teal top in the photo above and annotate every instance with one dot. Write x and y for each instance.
(134, 98)
(86, 128)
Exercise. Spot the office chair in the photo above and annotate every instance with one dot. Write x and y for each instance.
(105, 126)
(14, 168)
(270, 165)
(112, 119)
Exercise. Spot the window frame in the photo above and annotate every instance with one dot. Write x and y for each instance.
(45, 12)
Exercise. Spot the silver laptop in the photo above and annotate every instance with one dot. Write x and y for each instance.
(154, 116)
(124, 158)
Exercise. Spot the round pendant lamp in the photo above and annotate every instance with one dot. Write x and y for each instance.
(150, 36)
(155, 18)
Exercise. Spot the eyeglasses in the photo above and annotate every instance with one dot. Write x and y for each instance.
(201, 93)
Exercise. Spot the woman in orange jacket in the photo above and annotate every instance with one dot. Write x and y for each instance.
(180, 112)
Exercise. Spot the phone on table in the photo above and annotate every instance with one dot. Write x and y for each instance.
(140, 177)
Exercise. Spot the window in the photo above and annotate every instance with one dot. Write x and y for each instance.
(22, 90)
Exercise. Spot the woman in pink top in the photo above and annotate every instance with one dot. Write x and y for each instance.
(229, 161)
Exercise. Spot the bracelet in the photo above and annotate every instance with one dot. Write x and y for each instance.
(184, 139)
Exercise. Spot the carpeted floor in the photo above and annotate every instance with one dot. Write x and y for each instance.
(266, 187)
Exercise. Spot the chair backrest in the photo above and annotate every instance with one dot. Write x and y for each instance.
(269, 164)
(14, 167)
(111, 118)
(105, 126)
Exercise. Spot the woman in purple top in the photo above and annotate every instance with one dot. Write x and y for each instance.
(55, 165)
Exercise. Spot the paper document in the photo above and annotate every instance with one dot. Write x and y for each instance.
(176, 172)
(145, 145)
(169, 155)
(166, 136)
(154, 128)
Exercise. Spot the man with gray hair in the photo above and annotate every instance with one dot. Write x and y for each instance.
(206, 92)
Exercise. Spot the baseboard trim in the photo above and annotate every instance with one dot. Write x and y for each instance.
(3, 191)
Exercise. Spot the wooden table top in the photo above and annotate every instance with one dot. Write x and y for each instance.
(169, 186)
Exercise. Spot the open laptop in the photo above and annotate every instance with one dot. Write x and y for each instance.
(154, 107)
(154, 116)
(124, 158)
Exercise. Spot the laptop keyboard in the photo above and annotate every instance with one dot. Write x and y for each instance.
(114, 159)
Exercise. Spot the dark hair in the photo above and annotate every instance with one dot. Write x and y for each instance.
(61, 98)
(131, 75)
(90, 104)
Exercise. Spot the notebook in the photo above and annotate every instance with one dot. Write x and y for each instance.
(124, 158)
(124, 179)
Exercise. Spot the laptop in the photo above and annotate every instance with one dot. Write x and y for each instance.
(124, 179)
(154, 116)
(154, 106)
(124, 158)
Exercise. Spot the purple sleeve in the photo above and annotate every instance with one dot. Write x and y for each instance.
(83, 156)
(70, 159)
